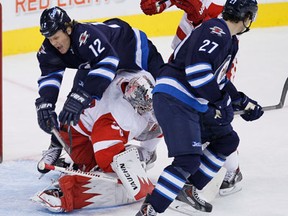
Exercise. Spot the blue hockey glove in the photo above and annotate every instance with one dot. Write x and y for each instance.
(46, 115)
(252, 109)
(223, 110)
(76, 102)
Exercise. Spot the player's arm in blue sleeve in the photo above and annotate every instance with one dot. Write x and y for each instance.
(52, 70)
(103, 61)
(231, 90)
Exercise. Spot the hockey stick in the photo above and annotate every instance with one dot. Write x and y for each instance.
(72, 171)
(101, 176)
(60, 139)
(272, 107)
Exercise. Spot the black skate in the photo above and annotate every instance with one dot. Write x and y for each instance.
(146, 208)
(188, 202)
(50, 157)
(231, 183)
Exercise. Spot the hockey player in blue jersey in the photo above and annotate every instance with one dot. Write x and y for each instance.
(191, 89)
(97, 50)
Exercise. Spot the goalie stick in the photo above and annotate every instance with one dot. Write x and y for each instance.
(272, 107)
(95, 175)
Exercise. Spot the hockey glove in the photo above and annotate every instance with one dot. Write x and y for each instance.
(196, 11)
(76, 102)
(46, 115)
(151, 7)
(223, 110)
(252, 109)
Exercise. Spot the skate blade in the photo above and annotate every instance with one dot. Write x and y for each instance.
(228, 191)
(185, 208)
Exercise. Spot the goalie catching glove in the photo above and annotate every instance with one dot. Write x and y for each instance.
(252, 109)
(76, 102)
(46, 115)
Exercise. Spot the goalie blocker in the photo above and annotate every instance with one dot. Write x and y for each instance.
(131, 172)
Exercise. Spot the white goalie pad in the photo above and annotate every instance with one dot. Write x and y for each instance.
(82, 192)
(128, 167)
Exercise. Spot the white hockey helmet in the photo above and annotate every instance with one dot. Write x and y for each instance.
(138, 93)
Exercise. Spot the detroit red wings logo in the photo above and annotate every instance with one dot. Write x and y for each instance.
(83, 38)
(217, 30)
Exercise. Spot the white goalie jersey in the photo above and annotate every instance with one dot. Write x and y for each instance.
(115, 105)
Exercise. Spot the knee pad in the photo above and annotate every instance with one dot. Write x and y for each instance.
(226, 144)
(188, 163)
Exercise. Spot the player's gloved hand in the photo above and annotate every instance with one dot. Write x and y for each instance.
(151, 7)
(46, 115)
(252, 109)
(196, 11)
(223, 110)
(76, 102)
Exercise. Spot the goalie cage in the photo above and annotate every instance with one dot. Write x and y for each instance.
(1, 104)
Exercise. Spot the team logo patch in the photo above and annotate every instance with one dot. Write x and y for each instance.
(83, 38)
(196, 144)
(217, 30)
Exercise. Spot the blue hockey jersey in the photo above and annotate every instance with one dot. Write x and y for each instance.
(97, 48)
(196, 73)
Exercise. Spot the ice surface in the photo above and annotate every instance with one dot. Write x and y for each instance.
(262, 71)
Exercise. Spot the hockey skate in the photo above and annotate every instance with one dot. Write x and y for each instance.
(146, 208)
(50, 156)
(231, 183)
(188, 202)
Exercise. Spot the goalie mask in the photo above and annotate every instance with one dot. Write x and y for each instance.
(138, 93)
